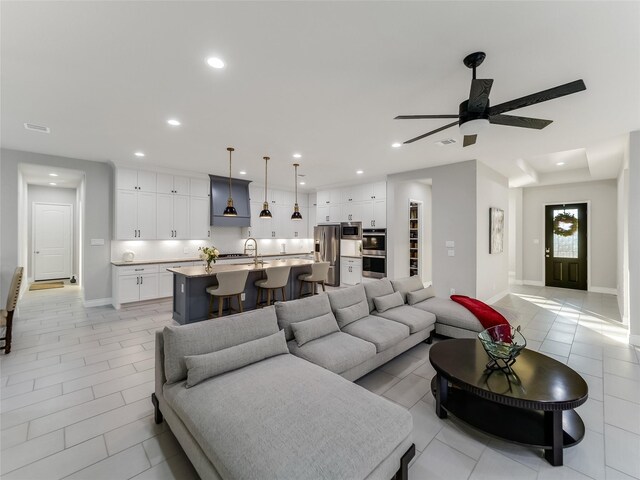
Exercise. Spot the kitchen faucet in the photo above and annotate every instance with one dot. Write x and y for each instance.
(254, 249)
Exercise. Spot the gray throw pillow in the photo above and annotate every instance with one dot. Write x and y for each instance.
(348, 315)
(202, 367)
(386, 302)
(314, 328)
(420, 295)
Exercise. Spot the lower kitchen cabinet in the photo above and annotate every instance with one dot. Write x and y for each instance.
(350, 270)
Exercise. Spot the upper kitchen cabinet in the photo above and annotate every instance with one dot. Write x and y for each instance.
(135, 217)
(172, 217)
(172, 184)
(199, 218)
(329, 197)
(136, 180)
(354, 193)
(199, 187)
(374, 191)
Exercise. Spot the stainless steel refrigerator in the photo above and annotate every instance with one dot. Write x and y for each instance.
(327, 249)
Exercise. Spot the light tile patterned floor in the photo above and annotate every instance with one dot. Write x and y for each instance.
(75, 394)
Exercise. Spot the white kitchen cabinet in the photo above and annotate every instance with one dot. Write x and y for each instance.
(135, 215)
(137, 180)
(199, 187)
(165, 284)
(353, 193)
(172, 184)
(148, 286)
(199, 219)
(330, 197)
(134, 283)
(351, 212)
(350, 270)
(374, 214)
(372, 191)
(328, 213)
(172, 216)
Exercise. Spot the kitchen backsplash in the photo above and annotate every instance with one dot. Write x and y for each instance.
(226, 240)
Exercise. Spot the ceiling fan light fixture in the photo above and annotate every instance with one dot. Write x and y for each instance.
(474, 127)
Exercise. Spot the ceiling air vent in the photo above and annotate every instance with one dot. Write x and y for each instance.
(37, 128)
(446, 141)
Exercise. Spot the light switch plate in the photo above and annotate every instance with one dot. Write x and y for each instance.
(450, 244)
(97, 241)
(451, 253)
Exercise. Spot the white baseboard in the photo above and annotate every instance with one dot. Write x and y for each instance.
(610, 291)
(634, 340)
(497, 297)
(97, 302)
(533, 283)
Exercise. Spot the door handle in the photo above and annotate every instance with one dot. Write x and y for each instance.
(547, 255)
(137, 280)
(141, 280)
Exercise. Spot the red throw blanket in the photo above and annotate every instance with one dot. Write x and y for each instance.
(488, 316)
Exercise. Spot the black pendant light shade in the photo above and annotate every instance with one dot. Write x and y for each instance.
(230, 211)
(265, 213)
(296, 210)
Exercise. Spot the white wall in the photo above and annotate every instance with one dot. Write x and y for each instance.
(42, 194)
(634, 237)
(603, 232)
(404, 192)
(515, 235)
(492, 270)
(623, 244)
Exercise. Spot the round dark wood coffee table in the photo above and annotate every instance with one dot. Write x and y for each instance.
(534, 406)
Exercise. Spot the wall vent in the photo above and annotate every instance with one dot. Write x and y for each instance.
(37, 128)
(446, 141)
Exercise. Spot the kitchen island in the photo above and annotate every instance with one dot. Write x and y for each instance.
(191, 300)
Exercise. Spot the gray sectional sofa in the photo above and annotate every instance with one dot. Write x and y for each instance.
(268, 393)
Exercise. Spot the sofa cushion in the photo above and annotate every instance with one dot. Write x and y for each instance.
(381, 332)
(313, 328)
(448, 312)
(287, 418)
(420, 295)
(416, 319)
(386, 302)
(348, 315)
(211, 336)
(337, 352)
(202, 367)
(407, 284)
(299, 310)
(377, 288)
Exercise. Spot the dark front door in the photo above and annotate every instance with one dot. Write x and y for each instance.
(566, 246)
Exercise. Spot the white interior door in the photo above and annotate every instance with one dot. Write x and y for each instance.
(52, 241)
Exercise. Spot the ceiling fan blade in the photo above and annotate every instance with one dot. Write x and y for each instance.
(479, 94)
(524, 122)
(543, 96)
(469, 140)
(413, 117)
(431, 132)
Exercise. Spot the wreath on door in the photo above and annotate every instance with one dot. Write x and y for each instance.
(565, 224)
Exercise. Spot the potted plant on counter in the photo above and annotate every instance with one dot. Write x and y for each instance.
(209, 254)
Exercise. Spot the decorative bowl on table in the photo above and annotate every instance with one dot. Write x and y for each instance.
(503, 344)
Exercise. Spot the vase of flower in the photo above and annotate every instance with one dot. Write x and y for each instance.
(209, 255)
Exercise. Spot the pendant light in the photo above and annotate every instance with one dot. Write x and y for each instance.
(265, 213)
(230, 211)
(296, 210)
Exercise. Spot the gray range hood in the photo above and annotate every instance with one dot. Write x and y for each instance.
(220, 193)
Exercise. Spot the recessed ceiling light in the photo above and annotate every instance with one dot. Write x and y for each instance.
(560, 164)
(215, 62)
(173, 122)
(297, 155)
(303, 183)
(396, 145)
(51, 183)
(53, 174)
(242, 172)
(359, 172)
(139, 154)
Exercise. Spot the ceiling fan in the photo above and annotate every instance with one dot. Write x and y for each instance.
(475, 114)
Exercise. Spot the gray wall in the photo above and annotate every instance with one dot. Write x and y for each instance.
(492, 269)
(97, 222)
(603, 235)
(42, 194)
(453, 192)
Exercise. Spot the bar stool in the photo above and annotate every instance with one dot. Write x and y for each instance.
(230, 284)
(277, 278)
(319, 272)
